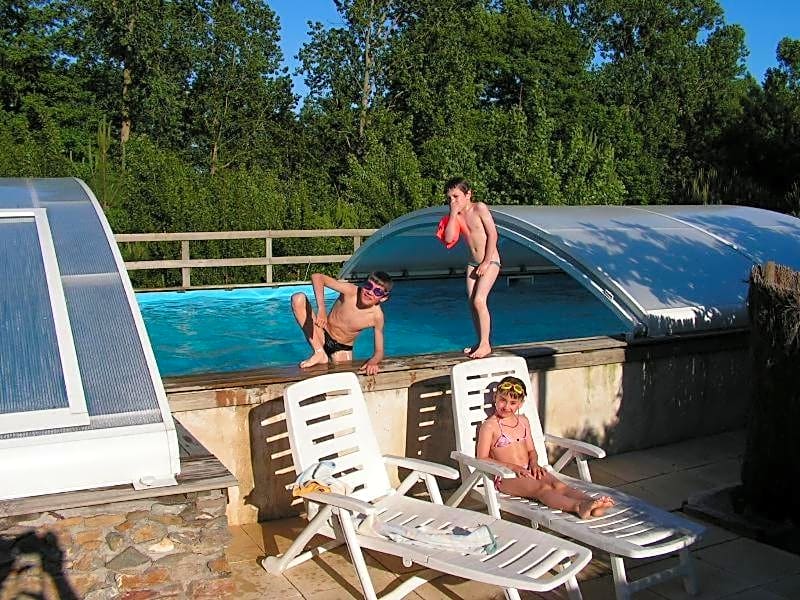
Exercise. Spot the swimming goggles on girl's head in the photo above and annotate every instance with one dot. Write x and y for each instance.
(375, 288)
(510, 385)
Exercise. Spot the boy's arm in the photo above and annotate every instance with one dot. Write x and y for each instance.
(452, 230)
(491, 238)
(320, 281)
(372, 366)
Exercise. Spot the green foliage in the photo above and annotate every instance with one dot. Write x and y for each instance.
(385, 184)
(31, 153)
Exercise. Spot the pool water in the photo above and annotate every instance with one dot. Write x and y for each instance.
(231, 330)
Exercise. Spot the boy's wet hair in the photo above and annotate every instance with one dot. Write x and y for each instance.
(457, 182)
(383, 278)
(513, 381)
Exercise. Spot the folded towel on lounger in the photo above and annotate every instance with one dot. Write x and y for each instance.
(477, 540)
(319, 478)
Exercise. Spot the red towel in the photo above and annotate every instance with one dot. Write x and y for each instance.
(440, 231)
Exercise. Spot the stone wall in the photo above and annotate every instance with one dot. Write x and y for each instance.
(165, 547)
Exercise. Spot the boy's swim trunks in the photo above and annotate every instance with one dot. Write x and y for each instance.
(331, 346)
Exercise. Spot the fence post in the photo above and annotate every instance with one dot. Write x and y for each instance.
(186, 272)
(356, 242)
(268, 255)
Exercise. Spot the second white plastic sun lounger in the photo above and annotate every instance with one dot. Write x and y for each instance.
(630, 529)
(327, 420)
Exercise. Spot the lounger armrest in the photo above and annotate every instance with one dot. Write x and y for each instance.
(354, 505)
(576, 446)
(484, 466)
(423, 466)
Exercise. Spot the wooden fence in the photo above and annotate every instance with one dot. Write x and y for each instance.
(186, 263)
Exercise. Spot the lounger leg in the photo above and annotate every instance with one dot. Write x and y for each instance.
(458, 496)
(349, 531)
(689, 574)
(490, 495)
(573, 589)
(409, 585)
(511, 594)
(620, 578)
(278, 564)
(583, 469)
(433, 489)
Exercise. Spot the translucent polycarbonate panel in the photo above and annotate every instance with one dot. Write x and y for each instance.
(75, 228)
(31, 376)
(115, 374)
(761, 234)
(96, 423)
(15, 193)
(663, 270)
(660, 262)
(64, 189)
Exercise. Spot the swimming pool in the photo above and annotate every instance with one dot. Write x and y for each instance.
(231, 330)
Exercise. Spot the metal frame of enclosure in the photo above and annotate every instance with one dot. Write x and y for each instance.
(662, 269)
(81, 400)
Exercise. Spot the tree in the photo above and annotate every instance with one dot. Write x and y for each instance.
(42, 96)
(666, 70)
(764, 145)
(239, 102)
(344, 68)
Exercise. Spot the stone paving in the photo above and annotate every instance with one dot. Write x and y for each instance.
(728, 565)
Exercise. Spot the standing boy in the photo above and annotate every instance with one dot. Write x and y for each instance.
(331, 336)
(476, 222)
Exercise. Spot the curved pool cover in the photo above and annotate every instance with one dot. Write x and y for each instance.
(662, 269)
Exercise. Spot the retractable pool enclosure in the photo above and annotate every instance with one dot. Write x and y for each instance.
(662, 269)
(81, 400)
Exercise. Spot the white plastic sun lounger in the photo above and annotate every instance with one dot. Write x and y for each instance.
(630, 529)
(327, 420)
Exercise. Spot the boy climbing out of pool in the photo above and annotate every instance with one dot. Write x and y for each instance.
(505, 438)
(474, 220)
(331, 335)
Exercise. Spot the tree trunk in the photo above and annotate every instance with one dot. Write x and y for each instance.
(366, 87)
(771, 471)
(127, 82)
(125, 121)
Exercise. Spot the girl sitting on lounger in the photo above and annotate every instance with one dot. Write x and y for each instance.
(505, 439)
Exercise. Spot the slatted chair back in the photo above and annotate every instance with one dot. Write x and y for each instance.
(327, 419)
(473, 383)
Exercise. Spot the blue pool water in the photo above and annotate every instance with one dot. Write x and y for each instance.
(231, 330)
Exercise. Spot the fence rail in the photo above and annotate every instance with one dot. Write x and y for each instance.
(186, 263)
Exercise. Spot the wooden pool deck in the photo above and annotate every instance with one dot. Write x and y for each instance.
(728, 565)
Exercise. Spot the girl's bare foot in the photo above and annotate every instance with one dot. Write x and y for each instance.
(590, 507)
(607, 501)
(317, 358)
(481, 351)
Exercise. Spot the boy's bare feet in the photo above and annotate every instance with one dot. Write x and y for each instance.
(317, 358)
(591, 507)
(481, 351)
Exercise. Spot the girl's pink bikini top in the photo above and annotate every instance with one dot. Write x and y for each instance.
(503, 440)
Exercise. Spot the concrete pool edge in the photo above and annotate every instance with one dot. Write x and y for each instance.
(238, 388)
(621, 396)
